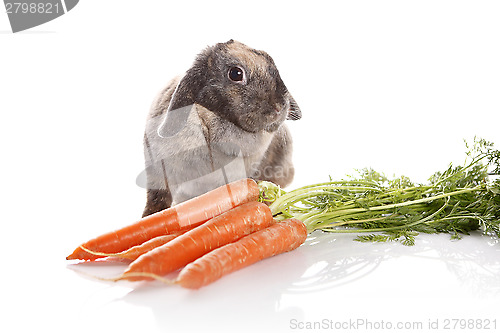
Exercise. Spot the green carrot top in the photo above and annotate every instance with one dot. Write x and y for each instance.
(456, 201)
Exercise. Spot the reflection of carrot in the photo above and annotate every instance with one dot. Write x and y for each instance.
(223, 229)
(135, 251)
(184, 215)
(278, 238)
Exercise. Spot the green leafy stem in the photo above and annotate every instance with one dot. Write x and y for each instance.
(457, 201)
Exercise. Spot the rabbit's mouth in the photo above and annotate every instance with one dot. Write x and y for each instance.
(274, 118)
(260, 120)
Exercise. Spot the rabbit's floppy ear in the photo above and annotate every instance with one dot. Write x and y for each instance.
(179, 108)
(188, 87)
(294, 112)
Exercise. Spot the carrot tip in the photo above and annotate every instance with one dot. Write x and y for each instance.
(80, 253)
(132, 276)
(127, 276)
(75, 256)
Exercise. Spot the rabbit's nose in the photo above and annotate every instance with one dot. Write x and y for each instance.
(278, 107)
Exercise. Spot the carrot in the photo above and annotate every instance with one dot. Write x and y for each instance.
(184, 215)
(278, 238)
(220, 230)
(135, 251)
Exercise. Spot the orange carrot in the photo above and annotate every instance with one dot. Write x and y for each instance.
(278, 238)
(184, 215)
(220, 230)
(135, 251)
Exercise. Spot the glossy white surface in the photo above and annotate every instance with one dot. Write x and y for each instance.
(392, 85)
(329, 278)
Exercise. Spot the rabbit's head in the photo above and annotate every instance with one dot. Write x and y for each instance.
(239, 84)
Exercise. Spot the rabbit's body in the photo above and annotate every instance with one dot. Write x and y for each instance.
(205, 129)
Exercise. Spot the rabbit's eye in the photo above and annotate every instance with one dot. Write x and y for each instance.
(236, 74)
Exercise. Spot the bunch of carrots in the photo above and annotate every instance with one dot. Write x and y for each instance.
(206, 237)
(230, 227)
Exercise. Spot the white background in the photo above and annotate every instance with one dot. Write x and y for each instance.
(393, 85)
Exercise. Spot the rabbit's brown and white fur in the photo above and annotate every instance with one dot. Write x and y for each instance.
(229, 106)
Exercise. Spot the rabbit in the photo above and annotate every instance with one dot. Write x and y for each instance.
(221, 121)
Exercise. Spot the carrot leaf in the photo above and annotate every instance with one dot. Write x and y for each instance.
(456, 201)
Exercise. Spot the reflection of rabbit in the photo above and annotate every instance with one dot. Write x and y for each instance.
(228, 109)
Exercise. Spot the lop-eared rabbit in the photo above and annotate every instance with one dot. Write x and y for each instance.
(223, 120)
